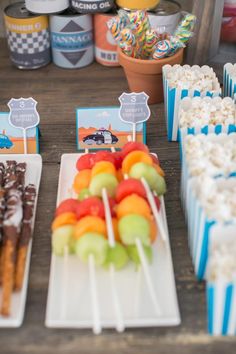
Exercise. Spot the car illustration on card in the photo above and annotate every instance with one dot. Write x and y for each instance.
(102, 128)
(101, 136)
(5, 142)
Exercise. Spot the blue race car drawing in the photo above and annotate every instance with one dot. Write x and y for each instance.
(5, 142)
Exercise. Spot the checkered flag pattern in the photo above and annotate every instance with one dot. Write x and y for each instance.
(28, 43)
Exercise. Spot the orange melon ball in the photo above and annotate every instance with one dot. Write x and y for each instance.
(64, 219)
(133, 204)
(154, 230)
(82, 180)
(103, 167)
(133, 158)
(90, 224)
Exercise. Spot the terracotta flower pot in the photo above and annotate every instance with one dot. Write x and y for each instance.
(146, 75)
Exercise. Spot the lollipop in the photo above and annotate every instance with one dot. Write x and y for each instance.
(150, 42)
(128, 49)
(128, 36)
(124, 18)
(114, 25)
(139, 23)
(188, 22)
(183, 35)
(162, 49)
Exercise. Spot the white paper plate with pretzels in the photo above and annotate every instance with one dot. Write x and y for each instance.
(19, 192)
(81, 296)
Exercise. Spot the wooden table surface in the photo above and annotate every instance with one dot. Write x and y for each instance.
(58, 93)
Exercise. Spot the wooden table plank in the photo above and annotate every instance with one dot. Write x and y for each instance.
(59, 92)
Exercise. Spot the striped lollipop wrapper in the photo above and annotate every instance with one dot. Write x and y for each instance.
(187, 23)
(162, 49)
(124, 18)
(184, 31)
(139, 23)
(115, 25)
(129, 50)
(175, 45)
(151, 40)
(127, 36)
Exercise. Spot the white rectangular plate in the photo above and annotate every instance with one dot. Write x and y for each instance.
(33, 175)
(69, 303)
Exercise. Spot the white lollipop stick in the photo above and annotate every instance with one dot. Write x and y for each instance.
(147, 275)
(86, 151)
(146, 272)
(111, 238)
(25, 141)
(155, 211)
(163, 208)
(110, 230)
(64, 283)
(120, 327)
(134, 132)
(97, 328)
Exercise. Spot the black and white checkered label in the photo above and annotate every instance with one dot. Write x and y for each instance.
(28, 43)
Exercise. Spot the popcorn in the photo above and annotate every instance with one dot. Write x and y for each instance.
(213, 157)
(222, 261)
(217, 197)
(192, 78)
(206, 111)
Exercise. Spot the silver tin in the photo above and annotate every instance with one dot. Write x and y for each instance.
(72, 40)
(27, 37)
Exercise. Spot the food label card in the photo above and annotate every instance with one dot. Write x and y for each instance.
(12, 140)
(102, 128)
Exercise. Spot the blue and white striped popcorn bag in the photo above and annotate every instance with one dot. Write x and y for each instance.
(186, 171)
(229, 80)
(175, 90)
(221, 281)
(204, 222)
(207, 115)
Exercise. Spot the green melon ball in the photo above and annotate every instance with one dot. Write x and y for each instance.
(134, 255)
(155, 181)
(134, 226)
(103, 180)
(84, 194)
(62, 237)
(92, 243)
(117, 256)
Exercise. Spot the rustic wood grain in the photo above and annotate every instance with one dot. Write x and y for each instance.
(59, 92)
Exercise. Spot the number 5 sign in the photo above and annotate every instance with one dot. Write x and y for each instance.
(23, 115)
(134, 109)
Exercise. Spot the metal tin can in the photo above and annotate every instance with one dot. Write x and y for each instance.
(92, 6)
(137, 4)
(27, 37)
(72, 40)
(105, 45)
(166, 16)
(46, 6)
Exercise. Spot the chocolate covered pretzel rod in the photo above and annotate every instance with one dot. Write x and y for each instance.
(2, 172)
(20, 174)
(10, 178)
(26, 233)
(11, 229)
(2, 211)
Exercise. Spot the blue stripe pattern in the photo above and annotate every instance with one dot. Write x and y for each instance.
(210, 307)
(227, 308)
